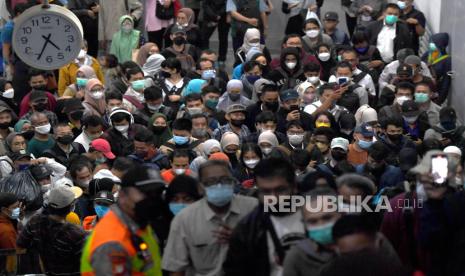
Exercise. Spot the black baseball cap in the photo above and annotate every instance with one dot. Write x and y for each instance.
(331, 16)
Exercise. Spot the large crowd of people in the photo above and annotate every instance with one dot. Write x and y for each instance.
(149, 155)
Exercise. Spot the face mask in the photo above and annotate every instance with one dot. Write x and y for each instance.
(208, 74)
(175, 208)
(252, 79)
(237, 123)
(395, 138)
(448, 125)
(312, 33)
(43, 129)
(322, 147)
(322, 124)
(28, 134)
(41, 87)
(65, 140)
(83, 183)
(165, 74)
(324, 56)
(432, 47)
(400, 100)
(255, 45)
(154, 108)
(179, 171)
(291, 65)
(81, 82)
(127, 28)
(182, 25)
(391, 19)
(219, 194)
(295, 139)
(364, 144)
(9, 93)
(272, 106)
(179, 40)
(410, 120)
(40, 107)
(421, 98)
(266, 151)
(180, 140)
(158, 129)
(94, 136)
(251, 163)
(361, 50)
(234, 97)
(338, 155)
(211, 103)
(146, 210)
(138, 85)
(82, 54)
(322, 234)
(15, 213)
(194, 110)
(101, 210)
(199, 132)
(97, 95)
(99, 161)
(122, 129)
(401, 4)
(5, 125)
(313, 80)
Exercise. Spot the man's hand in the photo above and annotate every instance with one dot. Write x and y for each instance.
(223, 234)
(90, 13)
(253, 22)
(293, 115)
(95, 8)
(412, 21)
(41, 160)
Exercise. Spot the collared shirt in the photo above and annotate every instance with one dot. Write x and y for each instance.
(191, 245)
(243, 134)
(385, 42)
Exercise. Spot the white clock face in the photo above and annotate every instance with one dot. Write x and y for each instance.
(47, 40)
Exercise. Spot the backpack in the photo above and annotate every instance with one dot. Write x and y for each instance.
(350, 100)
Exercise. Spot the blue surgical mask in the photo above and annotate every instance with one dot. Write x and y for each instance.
(15, 213)
(208, 74)
(365, 144)
(138, 85)
(219, 194)
(180, 140)
(322, 234)
(101, 210)
(175, 208)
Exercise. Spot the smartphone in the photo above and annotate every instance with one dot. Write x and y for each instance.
(294, 108)
(343, 80)
(439, 168)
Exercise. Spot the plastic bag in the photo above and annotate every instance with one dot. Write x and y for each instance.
(23, 185)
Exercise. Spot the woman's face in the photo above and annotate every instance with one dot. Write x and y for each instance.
(262, 60)
(154, 50)
(182, 19)
(323, 119)
(250, 155)
(18, 143)
(160, 121)
(323, 49)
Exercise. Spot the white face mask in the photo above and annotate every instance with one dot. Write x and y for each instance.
(312, 33)
(291, 65)
(255, 45)
(295, 139)
(97, 95)
(179, 171)
(9, 93)
(82, 54)
(324, 56)
(266, 151)
(45, 129)
(314, 79)
(251, 163)
(400, 100)
(122, 129)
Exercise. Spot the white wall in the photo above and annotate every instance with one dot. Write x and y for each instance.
(432, 11)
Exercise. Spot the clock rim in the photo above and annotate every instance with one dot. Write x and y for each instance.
(56, 11)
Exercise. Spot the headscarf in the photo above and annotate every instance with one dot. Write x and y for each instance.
(153, 65)
(97, 107)
(269, 137)
(159, 139)
(194, 87)
(365, 114)
(88, 72)
(9, 140)
(123, 43)
(143, 53)
(250, 34)
(19, 125)
(190, 18)
(234, 84)
(254, 51)
(209, 145)
(229, 138)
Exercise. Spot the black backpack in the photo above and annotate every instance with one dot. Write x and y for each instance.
(350, 99)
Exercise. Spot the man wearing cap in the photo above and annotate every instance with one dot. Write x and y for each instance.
(100, 152)
(38, 103)
(415, 62)
(290, 111)
(123, 242)
(330, 21)
(358, 150)
(102, 203)
(235, 115)
(409, 227)
(186, 53)
(415, 121)
(5, 127)
(64, 149)
(58, 242)
(339, 148)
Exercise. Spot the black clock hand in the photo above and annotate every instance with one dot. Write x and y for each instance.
(43, 47)
(48, 39)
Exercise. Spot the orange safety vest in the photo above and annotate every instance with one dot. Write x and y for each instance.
(111, 229)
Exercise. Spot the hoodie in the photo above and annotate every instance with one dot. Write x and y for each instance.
(284, 77)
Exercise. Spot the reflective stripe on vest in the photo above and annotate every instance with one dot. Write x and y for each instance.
(112, 227)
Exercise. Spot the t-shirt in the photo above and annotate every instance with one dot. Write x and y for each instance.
(289, 229)
(355, 157)
(37, 147)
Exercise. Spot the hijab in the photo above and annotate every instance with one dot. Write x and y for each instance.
(143, 53)
(229, 138)
(269, 137)
(209, 145)
(88, 72)
(250, 34)
(190, 18)
(123, 43)
(97, 107)
(161, 138)
(153, 65)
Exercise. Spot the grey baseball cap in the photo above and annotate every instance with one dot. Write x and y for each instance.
(61, 197)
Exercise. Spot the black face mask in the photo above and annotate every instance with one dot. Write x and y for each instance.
(237, 123)
(272, 106)
(179, 40)
(5, 125)
(338, 155)
(76, 115)
(165, 74)
(28, 134)
(395, 138)
(65, 140)
(42, 87)
(158, 129)
(40, 107)
(147, 210)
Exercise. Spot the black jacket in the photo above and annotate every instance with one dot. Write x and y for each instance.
(401, 41)
(120, 145)
(305, 118)
(60, 156)
(285, 78)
